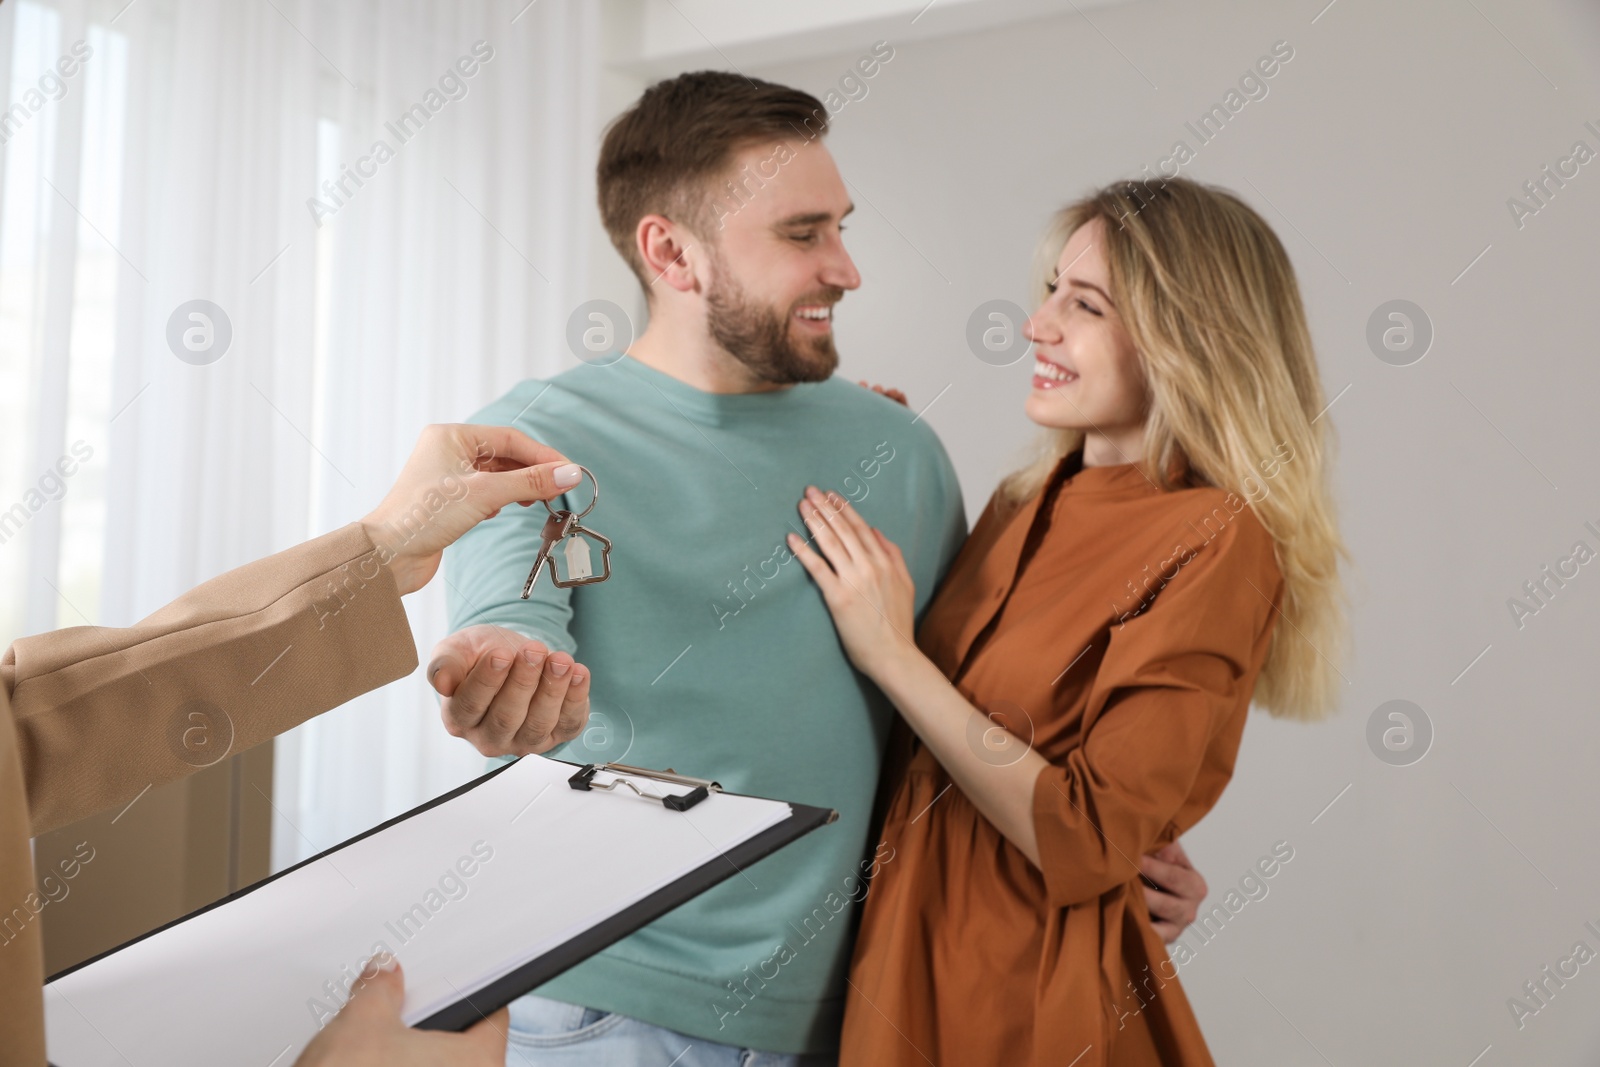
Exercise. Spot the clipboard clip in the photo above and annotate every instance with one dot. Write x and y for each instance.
(703, 787)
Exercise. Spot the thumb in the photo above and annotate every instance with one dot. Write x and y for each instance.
(449, 665)
(544, 481)
(381, 990)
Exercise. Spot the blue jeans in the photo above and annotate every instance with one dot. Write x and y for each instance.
(548, 1033)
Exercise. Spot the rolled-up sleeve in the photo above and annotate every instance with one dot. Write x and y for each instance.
(1173, 679)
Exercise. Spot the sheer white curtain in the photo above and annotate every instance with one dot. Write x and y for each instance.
(180, 163)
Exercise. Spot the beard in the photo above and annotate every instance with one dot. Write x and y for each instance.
(758, 336)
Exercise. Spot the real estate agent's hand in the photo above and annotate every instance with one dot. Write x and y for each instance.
(508, 694)
(457, 476)
(368, 1031)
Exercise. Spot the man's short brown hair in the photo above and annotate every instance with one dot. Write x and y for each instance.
(658, 156)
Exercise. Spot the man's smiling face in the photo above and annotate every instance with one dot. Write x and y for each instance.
(778, 261)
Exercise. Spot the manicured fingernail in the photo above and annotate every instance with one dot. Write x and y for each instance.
(567, 474)
(391, 963)
(532, 658)
(558, 668)
(499, 663)
(579, 676)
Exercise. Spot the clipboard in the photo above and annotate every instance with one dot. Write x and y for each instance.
(498, 994)
(106, 1009)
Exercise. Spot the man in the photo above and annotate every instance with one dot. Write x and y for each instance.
(87, 714)
(712, 652)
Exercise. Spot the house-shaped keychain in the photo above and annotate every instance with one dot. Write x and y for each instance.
(576, 553)
(565, 547)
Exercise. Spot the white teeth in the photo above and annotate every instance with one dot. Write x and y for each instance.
(1051, 372)
(815, 313)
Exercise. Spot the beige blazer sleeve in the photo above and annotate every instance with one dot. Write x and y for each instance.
(91, 716)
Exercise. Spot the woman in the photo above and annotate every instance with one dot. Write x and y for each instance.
(1080, 683)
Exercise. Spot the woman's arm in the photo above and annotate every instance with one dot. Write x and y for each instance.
(869, 590)
(957, 733)
(965, 740)
(1167, 684)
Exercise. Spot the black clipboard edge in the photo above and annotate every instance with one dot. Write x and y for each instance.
(810, 816)
(497, 994)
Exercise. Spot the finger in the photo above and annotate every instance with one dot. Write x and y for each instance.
(892, 551)
(815, 565)
(574, 706)
(544, 709)
(504, 448)
(1179, 881)
(454, 656)
(1167, 932)
(1156, 870)
(898, 397)
(823, 540)
(465, 710)
(1164, 907)
(816, 513)
(839, 514)
(509, 707)
(864, 535)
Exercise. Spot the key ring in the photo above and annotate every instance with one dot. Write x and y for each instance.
(561, 530)
(595, 481)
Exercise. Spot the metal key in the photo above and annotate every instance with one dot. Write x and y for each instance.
(561, 530)
(556, 529)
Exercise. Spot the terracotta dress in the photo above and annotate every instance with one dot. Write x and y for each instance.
(1120, 629)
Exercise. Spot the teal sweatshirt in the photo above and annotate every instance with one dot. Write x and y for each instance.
(713, 653)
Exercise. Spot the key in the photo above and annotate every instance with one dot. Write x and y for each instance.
(561, 530)
(556, 529)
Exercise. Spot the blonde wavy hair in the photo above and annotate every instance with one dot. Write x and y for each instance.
(1210, 301)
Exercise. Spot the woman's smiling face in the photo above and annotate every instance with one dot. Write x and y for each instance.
(1087, 374)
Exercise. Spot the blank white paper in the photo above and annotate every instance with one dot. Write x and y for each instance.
(250, 982)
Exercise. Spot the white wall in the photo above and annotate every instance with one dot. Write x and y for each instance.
(1384, 156)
